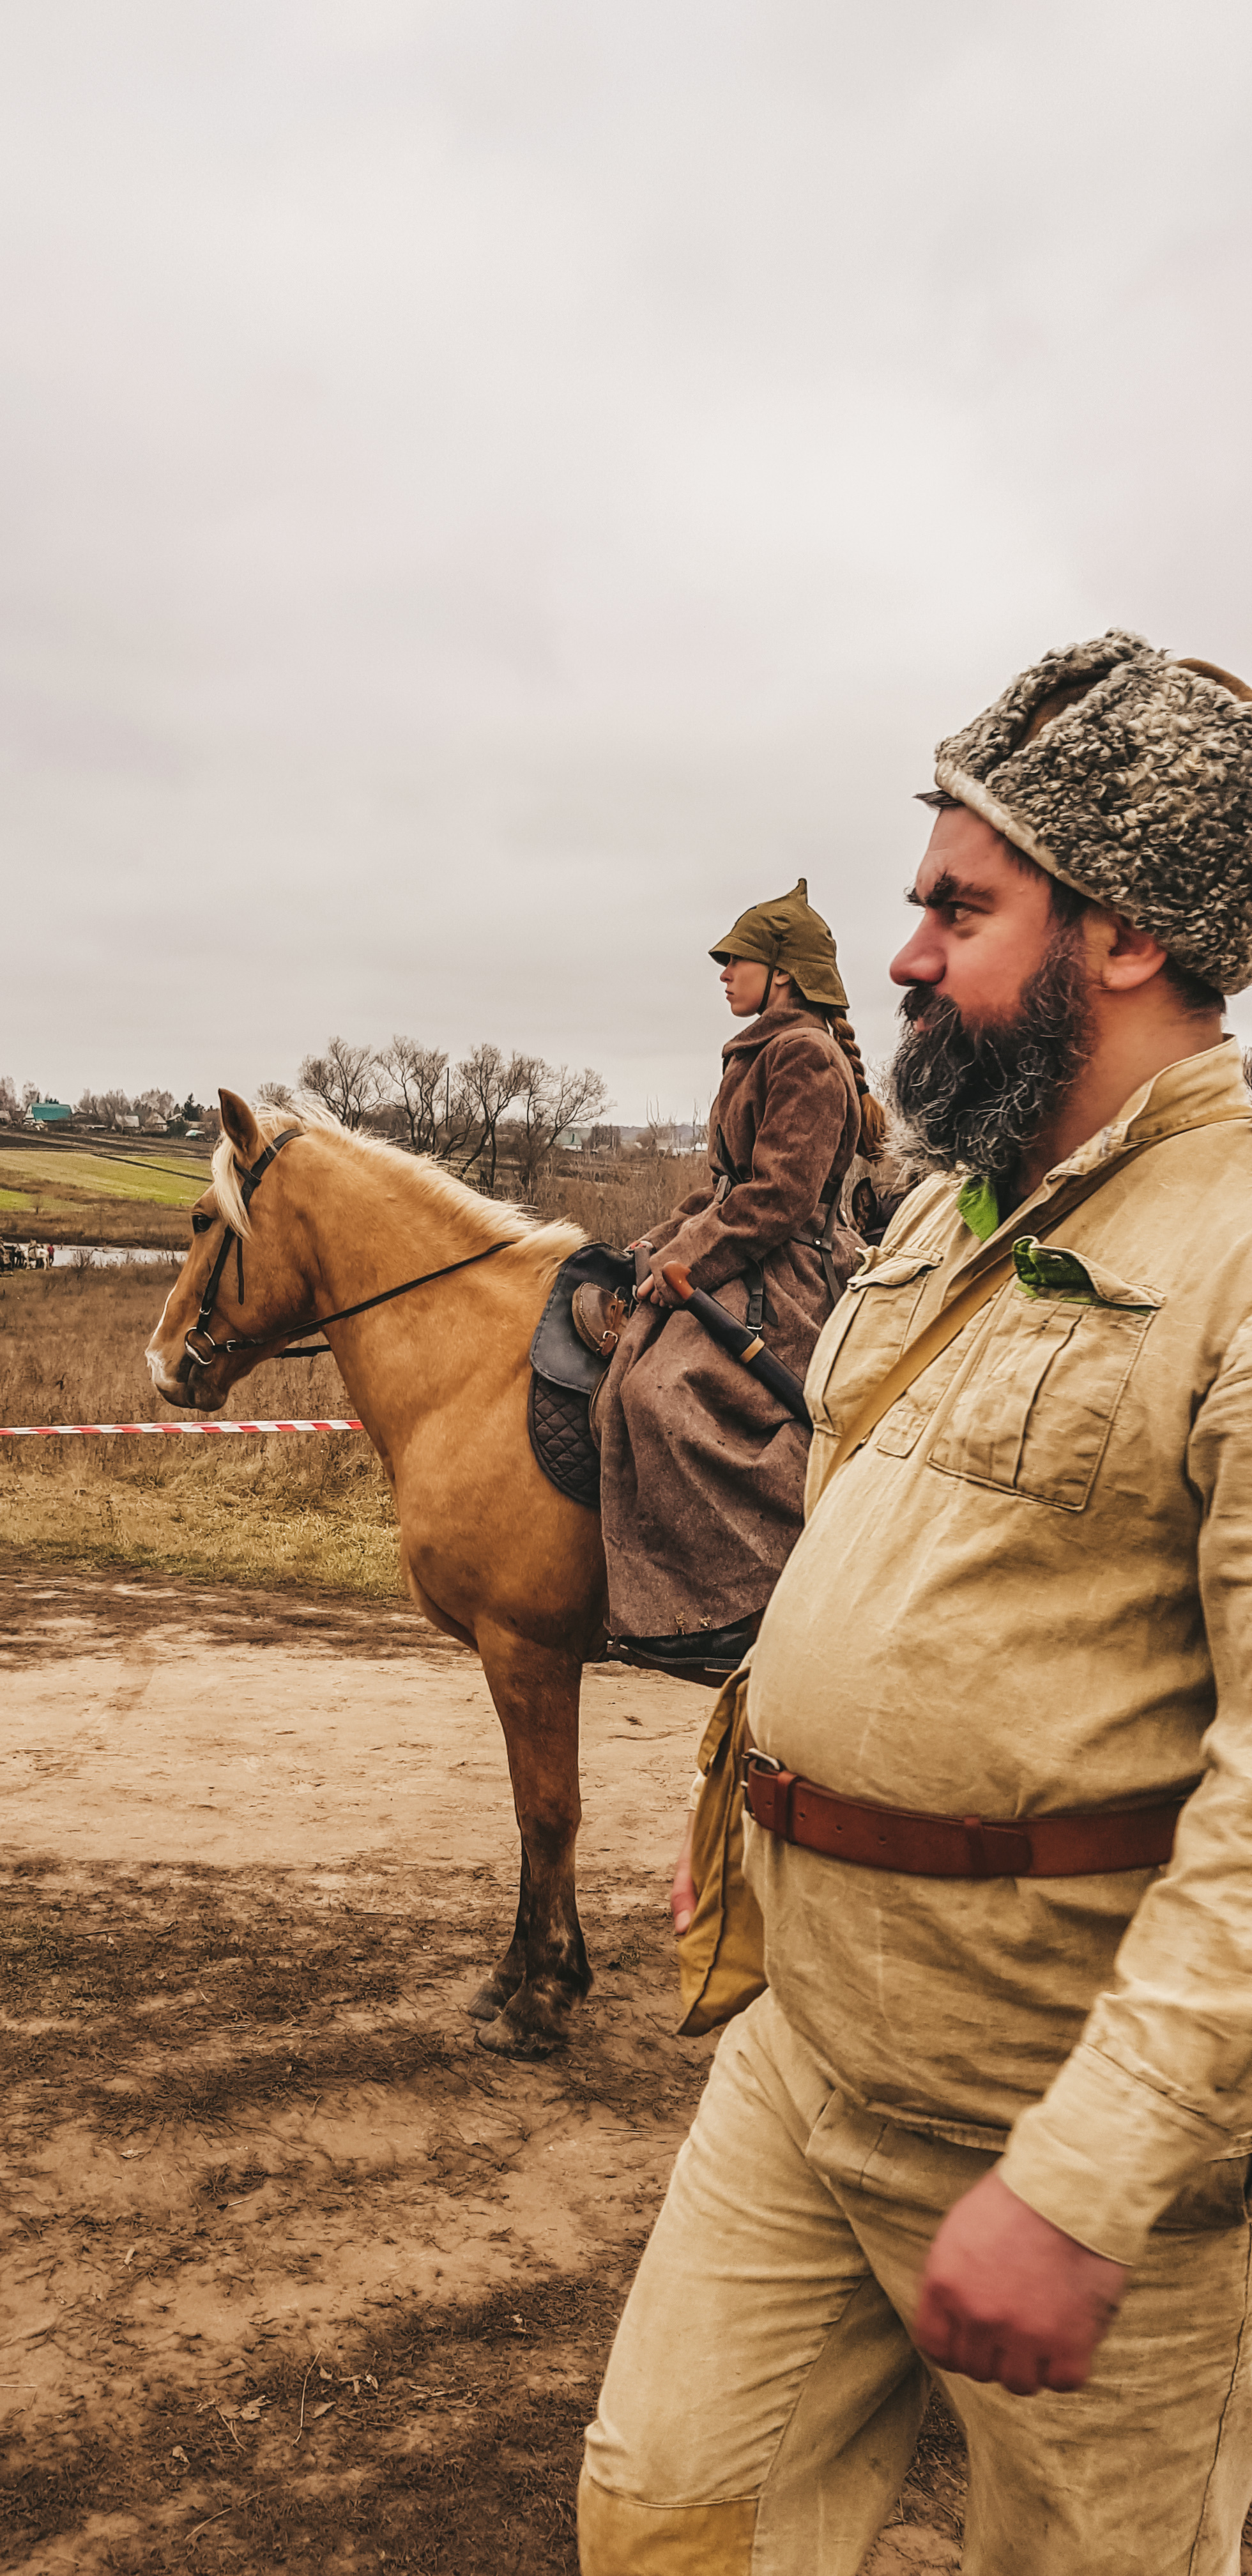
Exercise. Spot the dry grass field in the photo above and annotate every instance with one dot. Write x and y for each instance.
(137, 1225)
(617, 1202)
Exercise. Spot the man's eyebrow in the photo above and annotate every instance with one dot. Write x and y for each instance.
(947, 890)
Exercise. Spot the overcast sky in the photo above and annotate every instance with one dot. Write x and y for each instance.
(490, 490)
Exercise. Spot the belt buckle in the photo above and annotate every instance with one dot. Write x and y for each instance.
(763, 1761)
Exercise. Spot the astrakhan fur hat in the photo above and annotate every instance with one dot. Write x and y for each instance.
(1127, 774)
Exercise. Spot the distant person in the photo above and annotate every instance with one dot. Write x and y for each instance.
(702, 1472)
(991, 2120)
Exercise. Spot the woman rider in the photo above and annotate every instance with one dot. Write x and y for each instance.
(702, 1472)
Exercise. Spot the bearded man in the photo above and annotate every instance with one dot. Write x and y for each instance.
(991, 2121)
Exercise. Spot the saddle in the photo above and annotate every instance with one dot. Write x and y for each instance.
(569, 1355)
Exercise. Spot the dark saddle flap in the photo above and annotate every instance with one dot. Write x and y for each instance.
(557, 1352)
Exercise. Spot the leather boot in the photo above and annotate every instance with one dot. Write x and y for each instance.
(707, 1655)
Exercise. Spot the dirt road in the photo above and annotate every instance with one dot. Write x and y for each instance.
(299, 2274)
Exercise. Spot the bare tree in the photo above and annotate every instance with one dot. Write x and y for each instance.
(345, 1080)
(660, 1135)
(275, 1095)
(486, 1083)
(461, 1129)
(549, 1102)
(103, 1108)
(414, 1079)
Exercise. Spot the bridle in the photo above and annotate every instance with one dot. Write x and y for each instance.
(249, 1183)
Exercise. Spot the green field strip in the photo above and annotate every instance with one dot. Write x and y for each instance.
(186, 1170)
(103, 1176)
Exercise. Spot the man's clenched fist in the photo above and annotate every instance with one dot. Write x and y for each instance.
(1007, 2296)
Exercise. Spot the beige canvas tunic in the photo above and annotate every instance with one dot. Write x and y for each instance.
(1032, 1590)
(702, 1471)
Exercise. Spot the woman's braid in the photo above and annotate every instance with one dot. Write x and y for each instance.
(873, 1115)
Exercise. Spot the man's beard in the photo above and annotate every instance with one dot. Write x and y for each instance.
(977, 1098)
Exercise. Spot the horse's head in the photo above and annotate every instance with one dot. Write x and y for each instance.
(243, 1280)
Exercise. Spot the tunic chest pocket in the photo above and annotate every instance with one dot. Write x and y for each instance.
(1034, 1414)
(866, 1334)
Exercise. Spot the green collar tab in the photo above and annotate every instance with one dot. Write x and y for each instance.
(976, 1202)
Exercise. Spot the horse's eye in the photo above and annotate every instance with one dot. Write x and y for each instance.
(200, 1221)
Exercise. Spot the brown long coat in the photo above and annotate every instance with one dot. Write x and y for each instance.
(702, 1471)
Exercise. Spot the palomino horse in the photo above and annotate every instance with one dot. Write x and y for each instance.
(493, 1554)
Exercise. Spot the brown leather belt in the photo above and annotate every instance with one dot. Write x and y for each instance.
(1082, 1844)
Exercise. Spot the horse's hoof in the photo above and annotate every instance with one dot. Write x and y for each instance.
(505, 2040)
(489, 1999)
(532, 2023)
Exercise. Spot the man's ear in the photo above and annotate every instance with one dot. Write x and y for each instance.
(240, 1126)
(1126, 958)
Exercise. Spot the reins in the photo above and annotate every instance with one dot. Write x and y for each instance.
(249, 1181)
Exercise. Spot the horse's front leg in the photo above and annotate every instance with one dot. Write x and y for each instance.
(535, 1689)
(497, 1989)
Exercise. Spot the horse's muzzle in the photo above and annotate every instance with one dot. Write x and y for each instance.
(184, 1387)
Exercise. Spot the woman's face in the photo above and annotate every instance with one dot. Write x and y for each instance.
(744, 984)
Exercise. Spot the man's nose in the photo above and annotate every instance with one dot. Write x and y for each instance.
(920, 961)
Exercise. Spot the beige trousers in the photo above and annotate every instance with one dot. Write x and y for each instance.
(763, 2399)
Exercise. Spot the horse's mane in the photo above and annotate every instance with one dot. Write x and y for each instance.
(482, 1220)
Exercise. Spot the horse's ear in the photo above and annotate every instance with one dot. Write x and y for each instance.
(240, 1126)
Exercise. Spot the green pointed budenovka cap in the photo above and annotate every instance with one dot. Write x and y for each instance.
(787, 933)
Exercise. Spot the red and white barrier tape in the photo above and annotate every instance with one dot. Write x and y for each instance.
(156, 1430)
